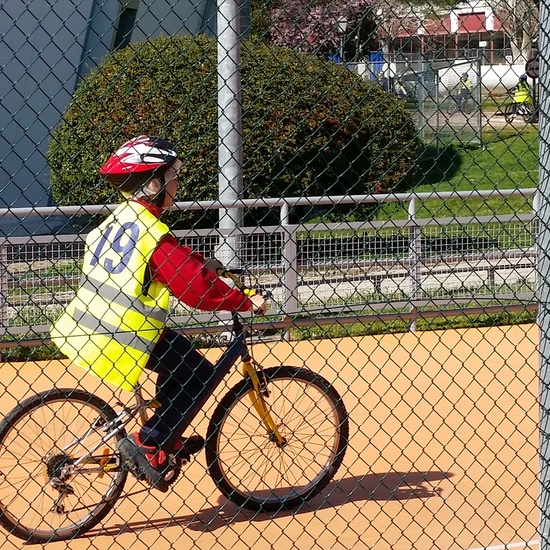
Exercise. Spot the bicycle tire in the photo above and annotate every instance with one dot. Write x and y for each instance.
(527, 116)
(237, 441)
(469, 106)
(510, 112)
(32, 437)
(451, 106)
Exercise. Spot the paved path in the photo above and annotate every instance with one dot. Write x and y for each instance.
(443, 452)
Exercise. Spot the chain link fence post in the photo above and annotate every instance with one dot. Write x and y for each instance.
(4, 321)
(230, 179)
(415, 258)
(544, 277)
(290, 266)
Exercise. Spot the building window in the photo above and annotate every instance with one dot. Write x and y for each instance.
(125, 24)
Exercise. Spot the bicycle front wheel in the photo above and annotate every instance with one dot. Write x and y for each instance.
(527, 112)
(247, 463)
(510, 112)
(46, 493)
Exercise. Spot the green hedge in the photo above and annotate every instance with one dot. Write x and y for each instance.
(310, 127)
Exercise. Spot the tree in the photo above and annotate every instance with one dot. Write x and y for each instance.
(315, 25)
(521, 21)
(310, 127)
(393, 18)
(371, 24)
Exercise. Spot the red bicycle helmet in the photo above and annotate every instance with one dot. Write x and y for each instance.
(137, 161)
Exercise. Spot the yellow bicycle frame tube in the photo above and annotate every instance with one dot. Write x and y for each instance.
(259, 403)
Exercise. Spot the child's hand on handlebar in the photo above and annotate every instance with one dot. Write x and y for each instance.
(214, 265)
(259, 304)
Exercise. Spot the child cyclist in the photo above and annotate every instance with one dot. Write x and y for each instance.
(115, 325)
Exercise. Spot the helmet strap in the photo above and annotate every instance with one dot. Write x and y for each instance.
(144, 193)
(158, 199)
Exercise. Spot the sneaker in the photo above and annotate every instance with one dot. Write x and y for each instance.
(188, 446)
(152, 462)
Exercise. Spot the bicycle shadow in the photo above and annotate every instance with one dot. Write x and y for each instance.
(371, 487)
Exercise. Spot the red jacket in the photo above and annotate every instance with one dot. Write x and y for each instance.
(184, 274)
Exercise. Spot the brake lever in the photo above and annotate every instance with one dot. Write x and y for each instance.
(247, 291)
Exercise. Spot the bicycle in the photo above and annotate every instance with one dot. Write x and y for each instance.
(274, 441)
(512, 110)
(455, 103)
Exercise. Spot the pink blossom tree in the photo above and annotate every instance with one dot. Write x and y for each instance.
(316, 25)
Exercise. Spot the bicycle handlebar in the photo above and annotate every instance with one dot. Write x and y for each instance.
(234, 276)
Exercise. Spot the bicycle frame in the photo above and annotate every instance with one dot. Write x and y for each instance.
(83, 476)
(237, 348)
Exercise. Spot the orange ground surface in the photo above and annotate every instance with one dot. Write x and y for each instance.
(443, 452)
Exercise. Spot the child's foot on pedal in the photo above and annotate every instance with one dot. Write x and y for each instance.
(152, 461)
(187, 446)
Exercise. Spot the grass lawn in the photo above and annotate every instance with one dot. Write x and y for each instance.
(507, 159)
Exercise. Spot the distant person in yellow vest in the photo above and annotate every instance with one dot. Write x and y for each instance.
(399, 89)
(464, 90)
(522, 91)
(115, 325)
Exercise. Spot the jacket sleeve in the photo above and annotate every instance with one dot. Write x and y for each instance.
(184, 274)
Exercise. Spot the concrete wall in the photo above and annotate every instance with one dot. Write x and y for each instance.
(46, 48)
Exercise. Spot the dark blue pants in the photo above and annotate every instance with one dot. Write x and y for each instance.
(185, 380)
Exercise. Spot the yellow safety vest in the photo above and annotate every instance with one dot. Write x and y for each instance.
(521, 94)
(464, 85)
(118, 313)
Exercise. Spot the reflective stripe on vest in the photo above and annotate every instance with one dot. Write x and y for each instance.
(112, 325)
(128, 338)
(115, 296)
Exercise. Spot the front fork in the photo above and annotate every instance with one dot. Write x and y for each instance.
(257, 396)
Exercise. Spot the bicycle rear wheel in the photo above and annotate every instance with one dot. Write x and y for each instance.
(44, 496)
(248, 465)
(527, 112)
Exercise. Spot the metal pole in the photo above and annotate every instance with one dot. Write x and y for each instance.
(422, 121)
(290, 267)
(478, 98)
(415, 257)
(4, 290)
(230, 179)
(543, 289)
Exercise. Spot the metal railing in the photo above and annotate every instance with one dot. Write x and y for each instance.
(391, 269)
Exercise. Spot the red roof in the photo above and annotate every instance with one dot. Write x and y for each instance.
(468, 23)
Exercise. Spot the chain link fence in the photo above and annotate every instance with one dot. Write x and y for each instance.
(370, 166)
